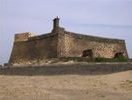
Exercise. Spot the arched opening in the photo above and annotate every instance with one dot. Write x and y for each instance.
(87, 53)
(119, 55)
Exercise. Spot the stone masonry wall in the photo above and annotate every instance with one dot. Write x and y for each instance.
(35, 49)
(27, 49)
(74, 46)
(60, 43)
(22, 36)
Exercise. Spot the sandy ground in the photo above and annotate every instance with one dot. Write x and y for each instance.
(113, 86)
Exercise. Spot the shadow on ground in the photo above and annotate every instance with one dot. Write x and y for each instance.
(70, 69)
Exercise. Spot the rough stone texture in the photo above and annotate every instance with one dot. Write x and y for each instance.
(74, 45)
(23, 36)
(71, 68)
(34, 49)
(60, 43)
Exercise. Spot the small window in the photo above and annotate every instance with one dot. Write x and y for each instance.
(87, 53)
(119, 55)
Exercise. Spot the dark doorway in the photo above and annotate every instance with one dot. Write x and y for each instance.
(87, 53)
(119, 55)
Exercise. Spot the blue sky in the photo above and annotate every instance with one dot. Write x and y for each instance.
(107, 18)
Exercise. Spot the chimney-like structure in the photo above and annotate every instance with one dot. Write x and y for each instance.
(56, 24)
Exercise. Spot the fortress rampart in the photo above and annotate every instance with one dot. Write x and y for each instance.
(60, 43)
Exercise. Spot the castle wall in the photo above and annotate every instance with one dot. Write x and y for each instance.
(22, 36)
(19, 52)
(64, 44)
(73, 46)
(60, 43)
(35, 49)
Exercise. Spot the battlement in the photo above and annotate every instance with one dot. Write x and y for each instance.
(23, 36)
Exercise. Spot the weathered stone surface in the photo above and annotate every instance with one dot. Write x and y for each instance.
(74, 47)
(29, 49)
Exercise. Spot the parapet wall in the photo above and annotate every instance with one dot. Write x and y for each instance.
(22, 36)
(94, 38)
(68, 69)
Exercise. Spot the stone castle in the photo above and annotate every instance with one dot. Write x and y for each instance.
(61, 43)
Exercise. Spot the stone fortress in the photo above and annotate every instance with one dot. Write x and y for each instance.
(61, 43)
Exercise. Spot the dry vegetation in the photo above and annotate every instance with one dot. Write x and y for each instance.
(64, 86)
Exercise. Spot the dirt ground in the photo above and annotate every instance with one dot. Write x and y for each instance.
(112, 86)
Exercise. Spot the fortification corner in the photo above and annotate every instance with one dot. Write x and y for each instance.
(23, 36)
